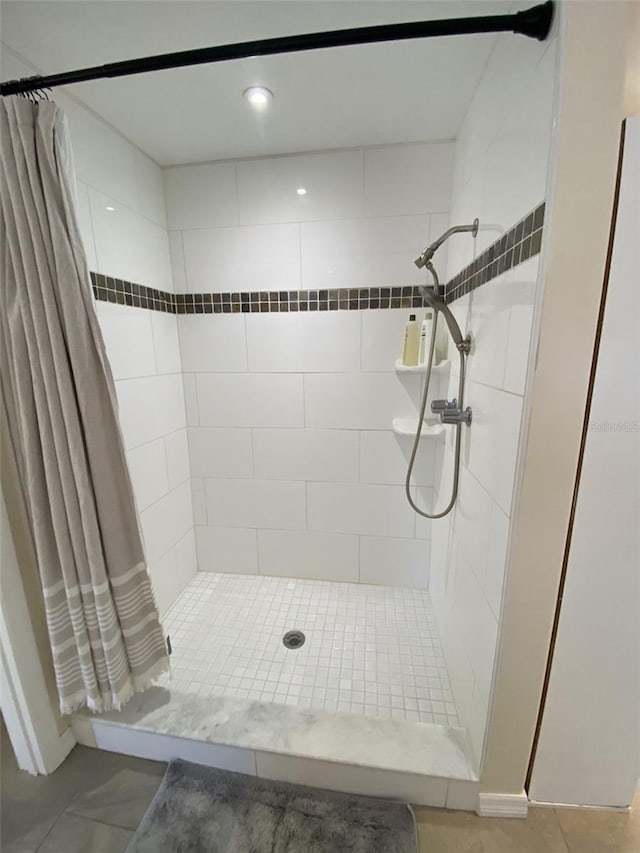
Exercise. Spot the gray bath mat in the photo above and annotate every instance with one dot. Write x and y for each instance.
(202, 810)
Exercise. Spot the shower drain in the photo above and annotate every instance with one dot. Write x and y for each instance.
(294, 639)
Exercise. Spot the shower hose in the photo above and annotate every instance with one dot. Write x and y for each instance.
(416, 441)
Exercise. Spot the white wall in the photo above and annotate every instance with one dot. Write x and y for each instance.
(296, 471)
(589, 741)
(500, 172)
(130, 242)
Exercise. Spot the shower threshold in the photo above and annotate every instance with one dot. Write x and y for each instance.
(363, 705)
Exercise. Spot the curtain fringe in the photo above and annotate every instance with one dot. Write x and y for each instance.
(108, 703)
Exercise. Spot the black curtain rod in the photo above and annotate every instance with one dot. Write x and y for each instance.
(534, 23)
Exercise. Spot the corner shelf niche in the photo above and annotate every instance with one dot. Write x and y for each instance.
(432, 428)
(440, 367)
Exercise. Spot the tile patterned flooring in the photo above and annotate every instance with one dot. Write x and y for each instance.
(370, 650)
(95, 800)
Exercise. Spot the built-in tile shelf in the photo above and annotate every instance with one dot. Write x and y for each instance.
(440, 367)
(408, 427)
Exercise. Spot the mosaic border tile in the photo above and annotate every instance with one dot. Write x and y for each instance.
(109, 289)
(521, 242)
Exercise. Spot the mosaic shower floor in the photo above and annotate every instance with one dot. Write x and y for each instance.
(369, 650)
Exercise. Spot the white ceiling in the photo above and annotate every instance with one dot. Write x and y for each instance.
(370, 94)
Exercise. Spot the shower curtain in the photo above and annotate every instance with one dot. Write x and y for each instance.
(60, 406)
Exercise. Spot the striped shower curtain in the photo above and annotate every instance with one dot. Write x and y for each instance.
(61, 410)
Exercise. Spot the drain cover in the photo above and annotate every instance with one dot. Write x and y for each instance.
(294, 639)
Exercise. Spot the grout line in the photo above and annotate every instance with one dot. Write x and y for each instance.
(300, 278)
(253, 456)
(364, 183)
(184, 260)
(236, 182)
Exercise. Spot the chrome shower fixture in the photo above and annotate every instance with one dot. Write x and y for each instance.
(430, 251)
(449, 411)
(436, 302)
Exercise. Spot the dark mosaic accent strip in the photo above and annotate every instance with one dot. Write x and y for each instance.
(287, 301)
(109, 289)
(520, 242)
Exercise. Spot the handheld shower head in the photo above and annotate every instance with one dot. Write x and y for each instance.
(438, 304)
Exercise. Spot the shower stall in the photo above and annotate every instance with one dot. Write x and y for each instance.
(253, 272)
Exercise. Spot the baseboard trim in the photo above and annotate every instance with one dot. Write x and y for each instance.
(503, 805)
(543, 804)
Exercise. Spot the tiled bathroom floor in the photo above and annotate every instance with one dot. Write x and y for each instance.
(370, 650)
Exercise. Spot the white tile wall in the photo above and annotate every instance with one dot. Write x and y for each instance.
(357, 400)
(250, 400)
(382, 339)
(305, 554)
(227, 549)
(177, 450)
(211, 344)
(267, 187)
(290, 414)
(103, 158)
(190, 399)
(499, 175)
(417, 181)
(130, 242)
(384, 458)
(496, 558)
(275, 504)
(374, 252)
(359, 508)
(171, 572)
(150, 189)
(128, 245)
(394, 562)
(306, 454)
(233, 259)
(318, 240)
(165, 342)
(202, 196)
(493, 441)
(166, 521)
(176, 254)
(150, 407)
(199, 501)
(118, 323)
(304, 342)
(220, 452)
(148, 469)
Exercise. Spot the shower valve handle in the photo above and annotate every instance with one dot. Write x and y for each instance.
(439, 406)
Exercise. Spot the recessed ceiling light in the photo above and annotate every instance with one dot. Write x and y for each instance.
(301, 191)
(108, 207)
(258, 96)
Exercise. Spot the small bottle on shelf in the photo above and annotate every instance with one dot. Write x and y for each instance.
(411, 343)
(425, 337)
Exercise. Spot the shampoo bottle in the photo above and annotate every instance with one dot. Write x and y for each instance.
(411, 342)
(425, 337)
